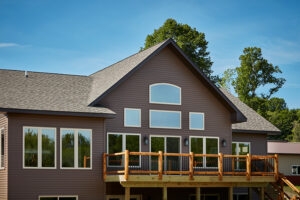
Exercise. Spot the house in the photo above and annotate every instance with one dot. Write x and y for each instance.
(288, 158)
(151, 126)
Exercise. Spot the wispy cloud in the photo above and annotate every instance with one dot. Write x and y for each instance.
(2, 45)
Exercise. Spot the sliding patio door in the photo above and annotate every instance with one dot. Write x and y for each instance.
(166, 144)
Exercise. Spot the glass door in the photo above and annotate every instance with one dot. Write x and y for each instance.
(157, 144)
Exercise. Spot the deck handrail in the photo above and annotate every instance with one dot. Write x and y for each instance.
(192, 164)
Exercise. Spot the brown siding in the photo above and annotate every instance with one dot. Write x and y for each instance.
(27, 184)
(166, 67)
(3, 172)
(258, 142)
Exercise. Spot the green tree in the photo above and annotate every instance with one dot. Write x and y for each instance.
(295, 137)
(254, 72)
(191, 41)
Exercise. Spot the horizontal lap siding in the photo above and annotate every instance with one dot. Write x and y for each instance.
(3, 173)
(166, 67)
(28, 184)
(286, 161)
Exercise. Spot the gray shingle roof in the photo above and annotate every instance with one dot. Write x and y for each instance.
(47, 92)
(255, 122)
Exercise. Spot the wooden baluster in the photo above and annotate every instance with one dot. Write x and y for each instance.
(248, 164)
(104, 166)
(191, 165)
(276, 167)
(126, 165)
(220, 166)
(160, 164)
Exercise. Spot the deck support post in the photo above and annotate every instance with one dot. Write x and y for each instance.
(198, 193)
(276, 167)
(126, 167)
(250, 193)
(165, 193)
(160, 164)
(230, 193)
(262, 193)
(191, 165)
(127, 193)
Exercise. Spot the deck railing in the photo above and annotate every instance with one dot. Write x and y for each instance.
(139, 163)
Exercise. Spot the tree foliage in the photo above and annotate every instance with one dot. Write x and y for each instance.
(295, 137)
(191, 41)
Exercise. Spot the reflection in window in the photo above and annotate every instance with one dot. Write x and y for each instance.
(119, 142)
(132, 117)
(76, 146)
(196, 121)
(197, 148)
(240, 148)
(39, 143)
(165, 119)
(164, 93)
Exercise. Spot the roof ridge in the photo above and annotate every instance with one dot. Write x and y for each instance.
(129, 57)
(16, 70)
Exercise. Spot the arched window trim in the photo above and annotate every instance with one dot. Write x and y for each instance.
(170, 84)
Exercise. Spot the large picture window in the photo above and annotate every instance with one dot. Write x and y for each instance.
(119, 142)
(132, 117)
(196, 121)
(165, 119)
(2, 143)
(165, 93)
(76, 148)
(240, 148)
(39, 147)
(204, 145)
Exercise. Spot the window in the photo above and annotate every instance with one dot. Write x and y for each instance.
(240, 197)
(58, 198)
(296, 170)
(204, 145)
(165, 119)
(165, 93)
(240, 148)
(119, 142)
(2, 143)
(39, 147)
(196, 121)
(76, 148)
(132, 117)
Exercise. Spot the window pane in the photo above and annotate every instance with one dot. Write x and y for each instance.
(115, 146)
(48, 148)
(197, 148)
(84, 148)
(211, 148)
(243, 149)
(165, 119)
(132, 117)
(31, 147)
(163, 93)
(197, 121)
(133, 145)
(234, 149)
(173, 146)
(157, 144)
(67, 148)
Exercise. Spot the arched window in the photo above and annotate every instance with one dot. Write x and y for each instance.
(165, 93)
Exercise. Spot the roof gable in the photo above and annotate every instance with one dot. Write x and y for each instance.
(107, 79)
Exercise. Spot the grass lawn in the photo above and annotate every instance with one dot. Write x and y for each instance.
(287, 189)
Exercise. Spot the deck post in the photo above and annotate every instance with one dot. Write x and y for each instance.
(249, 193)
(262, 193)
(248, 166)
(198, 193)
(127, 193)
(126, 165)
(276, 167)
(191, 165)
(220, 166)
(160, 164)
(104, 166)
(165, 193)
(230, 193)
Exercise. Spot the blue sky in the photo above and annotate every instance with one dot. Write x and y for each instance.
(81, 37)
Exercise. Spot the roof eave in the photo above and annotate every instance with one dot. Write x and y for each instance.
(256, 131)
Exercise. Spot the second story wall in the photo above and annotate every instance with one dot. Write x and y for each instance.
(167, 67)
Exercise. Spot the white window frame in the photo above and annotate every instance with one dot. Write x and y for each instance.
(167, 103)
(298, 174)
(123, 146)
(57, 196)
(2, 132)
(165, 148)
(190, 121)
(76, 149)
(40, 147)
(164, 127)
(140, 117)
(204, 149)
